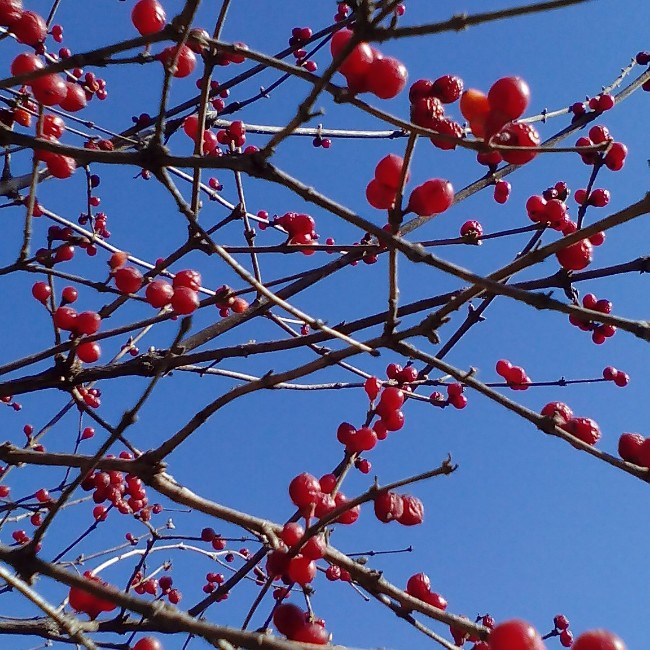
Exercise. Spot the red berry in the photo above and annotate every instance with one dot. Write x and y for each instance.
(26, 62)
(185, 63)
(426, 112)
(432, 197)
(311, 633)
(304, 489)
(389, 171)
(148, 643)
(185, 301)
(380, 196)
(515, 635)
(89, 352)
(502, 191)
(585, 429)
(357, 63)
(148, 17)
(615, 157)
(64, 318)
(41, 291)
(391, 398)
(159, 293)
(389, 506)
(301, 569)
(128, 279)
(372, 386)
(288, 618)
(87, 322)
(30, 28)
(629, 448)
(599, 640)
(559, 410)
(576, 256)
(187, 278)
(503, 368)
(386, 77)
(517, 134)
(10, 12)
(509, 96)
(413, 511)
(447, 88)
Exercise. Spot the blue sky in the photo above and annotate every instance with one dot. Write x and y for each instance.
(527, 527)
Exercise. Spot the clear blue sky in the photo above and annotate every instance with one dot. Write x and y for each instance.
(527, 527)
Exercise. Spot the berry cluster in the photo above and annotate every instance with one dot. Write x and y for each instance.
(402, 508)
(598, 198)
(368, 70)
(616, 152)
(152, 586)
(515, 375)
(561, 623)
(382, 189)
(427, 98)
(300, 227)
(83, 601)
(620, 378)
(300, 626)
(455, 397)
(584, 429)
(127, 493)
(419, 586)
(599, 332)
(314, 498)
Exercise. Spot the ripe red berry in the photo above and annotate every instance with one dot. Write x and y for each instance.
(128, 279)
(301, 569)
(389, 506)
(585, 429)
(304, 489)
(30, 28)
(10, 12)
(509, 96)
(380, 196)
(41, 291)
(185, 62)
(358, 62)
(159, 293)
(26, 62)
(576, 256)
(372, 386)
(432, 197)
(515, 635)
(629, 447)
(386, 77)
(599, 640)
(517, 134)
(87, 322)
(413, 511)
(389, 170)
(89, 352)
(559, 410)
(74, 99)
(288, 618)
(184, 301)
(447, 88)
(148, 17)
(148, 643)
(64, 318)
(502, 191)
